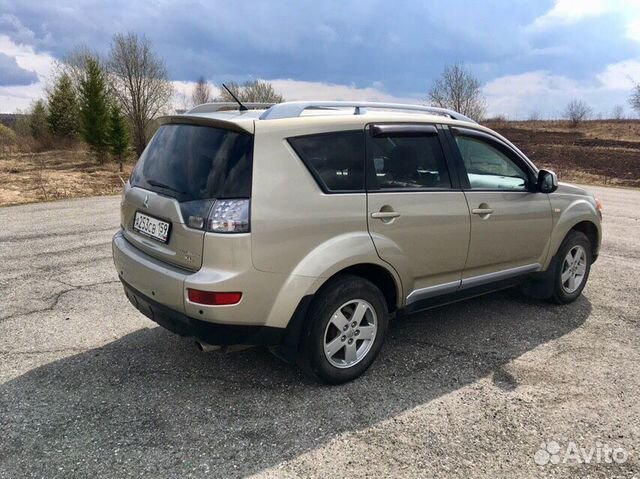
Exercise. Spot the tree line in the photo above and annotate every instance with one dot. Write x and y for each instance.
(458, 89)
(110, 102)
(107, 101)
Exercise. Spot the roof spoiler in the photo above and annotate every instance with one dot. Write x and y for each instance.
(228, 106)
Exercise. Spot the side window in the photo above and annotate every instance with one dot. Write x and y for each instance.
(336, 160)
(412, 162)
(488, 167)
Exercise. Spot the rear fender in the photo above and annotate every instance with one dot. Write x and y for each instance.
(322, 263)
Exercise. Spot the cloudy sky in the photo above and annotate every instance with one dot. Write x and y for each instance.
(531, 55)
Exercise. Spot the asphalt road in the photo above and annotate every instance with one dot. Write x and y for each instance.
(90, 388)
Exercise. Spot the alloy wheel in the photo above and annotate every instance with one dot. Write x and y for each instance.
(574, 268)
(350, 333)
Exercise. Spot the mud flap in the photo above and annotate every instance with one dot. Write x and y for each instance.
(540, 286)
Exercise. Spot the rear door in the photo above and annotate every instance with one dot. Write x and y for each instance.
(417, 214)
(183, 170)
(510, 221)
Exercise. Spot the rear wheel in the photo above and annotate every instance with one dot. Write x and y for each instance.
(348, 322)
(572, 268)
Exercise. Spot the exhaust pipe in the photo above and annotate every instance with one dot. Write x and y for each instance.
(207, 348)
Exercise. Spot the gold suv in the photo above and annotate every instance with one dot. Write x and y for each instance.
(305, 226)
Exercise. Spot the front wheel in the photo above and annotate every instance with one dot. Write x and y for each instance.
(572, 268)
(348, 322)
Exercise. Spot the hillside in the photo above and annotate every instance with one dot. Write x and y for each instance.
(597, 152)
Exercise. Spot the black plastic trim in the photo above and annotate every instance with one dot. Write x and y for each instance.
(463, 294)
(289, 347)
(402, 130)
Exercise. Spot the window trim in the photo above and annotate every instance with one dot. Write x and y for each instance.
(316, 176)
(518, 158)
(404, 129)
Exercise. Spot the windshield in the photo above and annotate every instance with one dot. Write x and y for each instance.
(192, 162)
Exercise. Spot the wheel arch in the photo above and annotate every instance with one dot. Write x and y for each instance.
(579, 215)
(379, 276)
(590, 230)
(382, 277)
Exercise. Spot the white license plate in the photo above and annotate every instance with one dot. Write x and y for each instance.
(152, 227)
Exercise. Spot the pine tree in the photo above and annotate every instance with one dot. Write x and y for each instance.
(63, 109)
(94, 109)
(118, 135)
(38, 120)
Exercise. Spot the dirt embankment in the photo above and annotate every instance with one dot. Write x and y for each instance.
(597, 152)
(51, 175)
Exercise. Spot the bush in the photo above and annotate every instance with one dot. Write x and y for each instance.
(7, 136)
(577, 111)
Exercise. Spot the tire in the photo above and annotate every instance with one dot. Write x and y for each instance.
(568, 283)
(333, 349)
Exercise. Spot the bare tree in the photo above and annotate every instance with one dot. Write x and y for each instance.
(140, 83)
(577, 111)
(618, 112)
(251, 91)
(201, 92)
(459, 90)
(534, 115)
(634, 99)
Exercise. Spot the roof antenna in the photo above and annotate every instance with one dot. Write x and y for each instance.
(242, 107)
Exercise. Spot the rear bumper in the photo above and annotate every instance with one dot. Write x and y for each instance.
(271, 312)
(211, 333)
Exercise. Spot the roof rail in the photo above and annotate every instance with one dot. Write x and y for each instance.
(227, 105)
(294, 109)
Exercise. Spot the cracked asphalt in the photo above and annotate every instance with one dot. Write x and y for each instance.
(90, 388)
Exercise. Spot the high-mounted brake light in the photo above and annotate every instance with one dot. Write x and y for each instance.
(213, 298)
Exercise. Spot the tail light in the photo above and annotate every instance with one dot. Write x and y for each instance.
(213, 298)
(217, 216)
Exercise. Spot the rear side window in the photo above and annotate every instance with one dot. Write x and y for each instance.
(336, 160)
(192, 162)
(408, 162)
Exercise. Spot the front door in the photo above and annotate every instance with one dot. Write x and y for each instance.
(418, 217)
(510, 222)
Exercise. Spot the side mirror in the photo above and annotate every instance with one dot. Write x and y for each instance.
(547, 181)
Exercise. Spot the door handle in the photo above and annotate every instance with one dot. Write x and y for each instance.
(385, 215)
(482, 211)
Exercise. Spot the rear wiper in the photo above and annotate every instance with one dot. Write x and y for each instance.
(159, 184)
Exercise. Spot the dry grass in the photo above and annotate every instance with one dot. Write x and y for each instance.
(59, 174)
(596, 152)
(628, 130)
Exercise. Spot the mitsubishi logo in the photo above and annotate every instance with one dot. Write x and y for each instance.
(145, 203)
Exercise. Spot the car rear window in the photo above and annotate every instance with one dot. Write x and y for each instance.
(193, 162)
(336, 160)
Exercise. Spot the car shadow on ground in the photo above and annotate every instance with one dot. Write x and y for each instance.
(149, 402)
